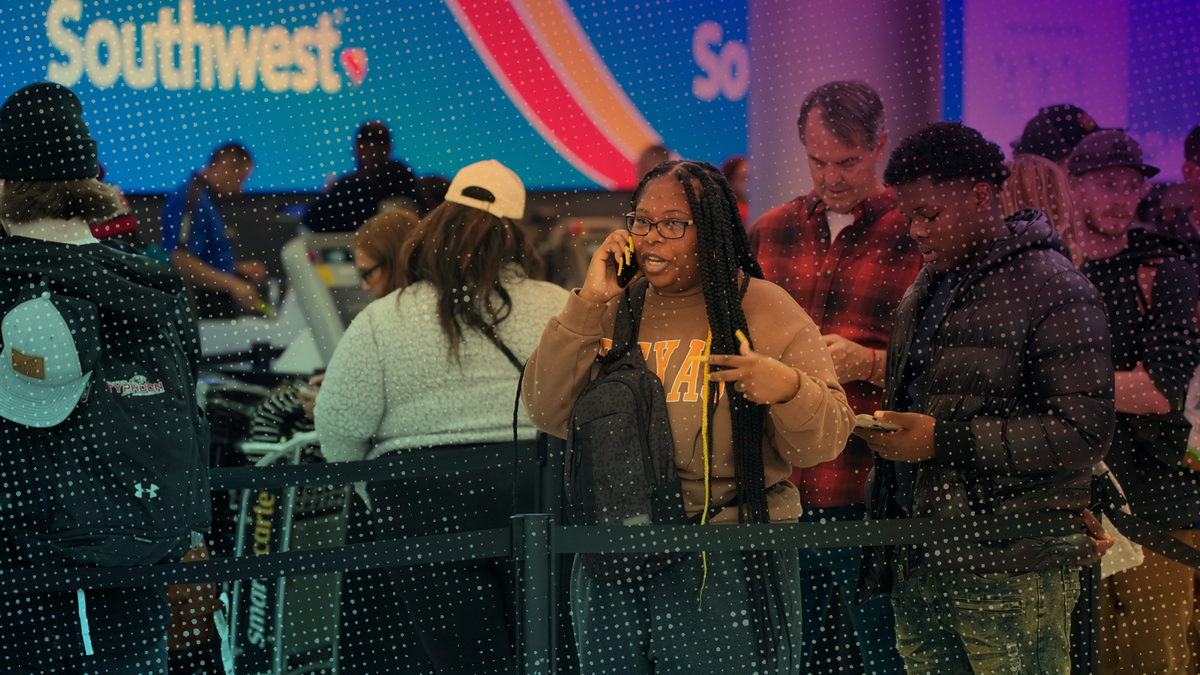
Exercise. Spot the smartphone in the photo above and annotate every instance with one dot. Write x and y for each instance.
(626, 265)
(865, 421)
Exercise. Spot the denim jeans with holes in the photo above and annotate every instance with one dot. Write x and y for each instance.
(987, 623)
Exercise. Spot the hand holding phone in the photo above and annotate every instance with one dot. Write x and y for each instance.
(865, 421)
(627, 265)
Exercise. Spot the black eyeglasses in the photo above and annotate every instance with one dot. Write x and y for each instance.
(366, 274)
(671, 228)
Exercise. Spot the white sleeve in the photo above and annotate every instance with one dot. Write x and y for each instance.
(350, 404)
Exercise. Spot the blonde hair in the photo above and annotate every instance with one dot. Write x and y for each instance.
(1038, 183)
(382, 237)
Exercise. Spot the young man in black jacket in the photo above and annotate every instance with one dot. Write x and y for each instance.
(103, 449)
(1149, 288)
(1000, 379)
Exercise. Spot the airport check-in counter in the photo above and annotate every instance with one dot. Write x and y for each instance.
(327, 287)
(323, 295)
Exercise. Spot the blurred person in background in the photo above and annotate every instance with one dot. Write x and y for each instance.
(1191, 176)
(1035, 182)
(436, 363)
(844, 254)
(650, 158)
(377, 245)
(737, 171)
(1054, 132)
(1174, 210)
(357, 196)
(1150, 290)
(431, 192)
(195, 237)
(1165, 209)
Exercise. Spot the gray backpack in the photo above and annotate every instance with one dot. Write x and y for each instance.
(620, 459)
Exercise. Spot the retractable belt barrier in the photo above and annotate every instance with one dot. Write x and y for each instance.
(535, 541)
(497, 543)
(500, 542)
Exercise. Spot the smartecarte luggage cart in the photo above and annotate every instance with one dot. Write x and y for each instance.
(289, 624)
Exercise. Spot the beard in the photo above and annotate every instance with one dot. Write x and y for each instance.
(1109, 226)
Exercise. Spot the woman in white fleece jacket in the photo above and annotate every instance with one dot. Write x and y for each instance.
(417, 369)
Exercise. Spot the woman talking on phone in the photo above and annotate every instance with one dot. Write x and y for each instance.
(774, 403)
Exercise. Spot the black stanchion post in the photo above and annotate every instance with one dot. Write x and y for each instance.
(531, 549)
(1085, 628)
(1091, 588)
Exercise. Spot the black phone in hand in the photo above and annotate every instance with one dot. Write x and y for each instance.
(627, 265)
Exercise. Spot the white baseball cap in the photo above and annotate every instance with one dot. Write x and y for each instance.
(50, 346)
(489, 186)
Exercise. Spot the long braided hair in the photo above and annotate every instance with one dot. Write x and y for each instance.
(723, 252)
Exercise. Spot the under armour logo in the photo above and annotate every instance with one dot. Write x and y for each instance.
(143, 493)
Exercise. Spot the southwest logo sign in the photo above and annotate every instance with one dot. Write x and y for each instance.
(177, 52)
(540, 56)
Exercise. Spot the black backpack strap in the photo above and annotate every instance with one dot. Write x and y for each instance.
(490, 332)
(629, 319)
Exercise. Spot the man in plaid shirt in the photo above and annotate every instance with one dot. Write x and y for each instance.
(844, 253)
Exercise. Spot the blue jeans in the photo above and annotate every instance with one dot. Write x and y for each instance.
(874, 623)
(987, 623)
(658, 625)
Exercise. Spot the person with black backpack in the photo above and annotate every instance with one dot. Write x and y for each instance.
(103, 448)
(749, 391)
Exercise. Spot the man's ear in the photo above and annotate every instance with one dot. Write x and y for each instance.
(880, 147)
(984, 196)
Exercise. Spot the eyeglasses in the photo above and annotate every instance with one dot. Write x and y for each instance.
(671, 228)
(366, 274)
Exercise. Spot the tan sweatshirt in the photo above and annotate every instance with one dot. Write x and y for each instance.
(809, 429)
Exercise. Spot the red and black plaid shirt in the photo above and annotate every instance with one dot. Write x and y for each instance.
(850, 288)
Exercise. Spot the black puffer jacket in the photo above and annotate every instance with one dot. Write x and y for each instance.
(1020, 379)
(1163, 339)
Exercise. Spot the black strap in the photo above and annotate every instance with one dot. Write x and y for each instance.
(490, 332)
(628, 320)
(1138, 530)
(1155, 538)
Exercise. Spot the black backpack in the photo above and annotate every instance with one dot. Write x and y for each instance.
(619, 467)
(123, 480)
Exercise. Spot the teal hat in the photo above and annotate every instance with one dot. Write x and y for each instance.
(51, 344)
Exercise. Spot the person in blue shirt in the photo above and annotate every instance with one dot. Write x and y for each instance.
(194, 236)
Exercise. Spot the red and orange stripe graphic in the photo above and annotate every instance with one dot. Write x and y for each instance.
(540, 56)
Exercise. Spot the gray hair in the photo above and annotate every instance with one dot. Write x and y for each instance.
(850, 109)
